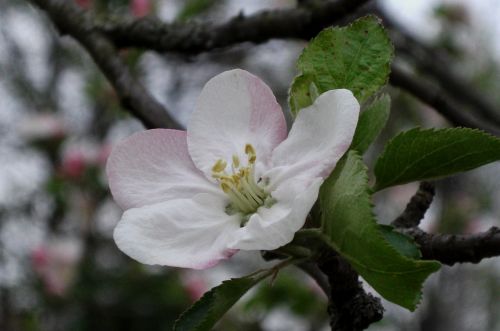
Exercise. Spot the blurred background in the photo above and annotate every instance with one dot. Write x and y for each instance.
(59, 118)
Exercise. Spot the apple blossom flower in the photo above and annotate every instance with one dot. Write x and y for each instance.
(233, 181)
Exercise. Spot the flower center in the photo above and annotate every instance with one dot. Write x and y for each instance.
(246, 194)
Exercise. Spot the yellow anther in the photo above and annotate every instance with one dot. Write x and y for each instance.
(252, 158)
(227, 179)
(225, 187)
(236, 161)
(219, 166)
(249, 150)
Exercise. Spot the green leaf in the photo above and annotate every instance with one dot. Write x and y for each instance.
(302, 93)
(402, 243)
(350, 227)
(419, 154)
(356, 57)
(215, 303)
(371, 122)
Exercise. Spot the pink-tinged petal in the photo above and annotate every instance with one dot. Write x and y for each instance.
(154, 166)
(188, 233)
(319, 137)
(271, 228)
(234, 108)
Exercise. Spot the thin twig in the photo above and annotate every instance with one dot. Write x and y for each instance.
(315, 273)
(71, 20)
(446, 248)
(416, 208)
(434, 63)
(437, 99)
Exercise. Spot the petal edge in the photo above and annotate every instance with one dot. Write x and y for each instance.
(188, 233)
(153, 166)
(320, 135)
(233, 109)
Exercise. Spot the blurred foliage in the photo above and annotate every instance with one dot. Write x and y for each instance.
(288, 291)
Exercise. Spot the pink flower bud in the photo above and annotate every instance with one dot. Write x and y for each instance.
(140, 8)
(73, 164)
(39, 258)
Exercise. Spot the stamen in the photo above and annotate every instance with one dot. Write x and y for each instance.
(225, 187)
(241, 205)
(249, 149)
(246, 195)
(219, 166)
(253, 194)
(254, 185)
(238, 198)
(236, 161)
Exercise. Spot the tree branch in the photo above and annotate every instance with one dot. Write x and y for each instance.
(433, 64)
(416, 208)
(193, 38)
(71, 20)
(298, 23)
(450, 249)
(349, 306)
(437, 99)
(445, 248)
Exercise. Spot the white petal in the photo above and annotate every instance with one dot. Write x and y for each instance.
(319, 137)
(271, 228)
(234, 108)
(189, 233)
(154, 166)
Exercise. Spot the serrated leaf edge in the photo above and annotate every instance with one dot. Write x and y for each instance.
(410, 239)
(383, 156)
(367, 195)
(360, 20)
